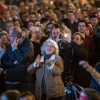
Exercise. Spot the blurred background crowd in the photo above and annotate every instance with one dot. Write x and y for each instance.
(73, 24)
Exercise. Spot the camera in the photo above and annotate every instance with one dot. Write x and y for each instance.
(63, 36)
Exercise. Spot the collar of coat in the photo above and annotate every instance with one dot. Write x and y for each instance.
(51, 58)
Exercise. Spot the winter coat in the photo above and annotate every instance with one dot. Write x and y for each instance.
(52, 77)
(24, 55)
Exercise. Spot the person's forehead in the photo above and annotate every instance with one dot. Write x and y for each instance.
(4, 35)
(55, 30)
(70, 13)
(77, 11)
(16, 21)
(94, 18)
(9, 23)
(38, 14)
(31, 15)
(77, 35)
(50, 25)
(81, 23)
(30, 23)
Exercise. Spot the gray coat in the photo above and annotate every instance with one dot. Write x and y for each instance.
(53, 81)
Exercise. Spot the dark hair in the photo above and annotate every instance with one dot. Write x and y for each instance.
(56, 8)
(5, 11)
(93, 16)
(56, 26)
(44, 19)
(49, 24)
(83, 10)
(91, 94)
(52, 20)
(22, 95)
(86, 16)
(21, 24)
(83, 21)
(10, 95)
(33, 13)
(71, 12)
(26, 15)
(25, 30)
(9, 21)
(37, 4)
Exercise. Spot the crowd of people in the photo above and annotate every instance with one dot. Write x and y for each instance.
(44, 43)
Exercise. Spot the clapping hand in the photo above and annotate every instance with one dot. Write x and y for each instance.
(49, 62)
(38, 58)
(84, 64)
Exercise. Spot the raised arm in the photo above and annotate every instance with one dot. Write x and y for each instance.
(91, 70)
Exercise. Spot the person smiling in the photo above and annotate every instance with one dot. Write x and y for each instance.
(48, 70)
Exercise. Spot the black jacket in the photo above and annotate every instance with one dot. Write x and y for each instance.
(72, 53)
(24, 54)
(80, 75)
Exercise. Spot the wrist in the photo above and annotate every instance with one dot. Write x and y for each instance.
(14, 48)
(35, 64)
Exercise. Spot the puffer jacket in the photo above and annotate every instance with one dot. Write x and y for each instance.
(53, 81)
(24, 54)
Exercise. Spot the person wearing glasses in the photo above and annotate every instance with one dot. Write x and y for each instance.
(48, 68)
(18, 56)
(79, 52)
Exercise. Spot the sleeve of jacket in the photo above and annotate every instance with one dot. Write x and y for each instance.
(26, 54)
(5, 61)
(94, 84)
(57, 68)
(80, 50)
(92, 48)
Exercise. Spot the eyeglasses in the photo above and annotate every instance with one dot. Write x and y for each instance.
(76, 38)
(50, 46)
